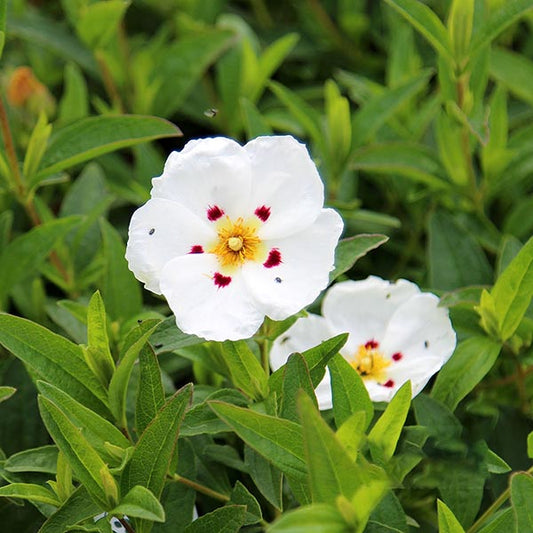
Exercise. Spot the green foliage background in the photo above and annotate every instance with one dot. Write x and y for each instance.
(419, 116)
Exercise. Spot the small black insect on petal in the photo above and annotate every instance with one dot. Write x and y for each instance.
(152, 231)
(278, 280)
(426, 344)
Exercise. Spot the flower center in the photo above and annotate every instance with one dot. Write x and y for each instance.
(237, 242)
(370, 363)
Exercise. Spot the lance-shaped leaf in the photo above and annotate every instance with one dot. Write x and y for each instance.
(267, 478)
(350, 250)
(86, 464)
(93, 427)
(296, 377)
(6, 392)
(386, 431)
(447, 521)
(151, 459)
(140, 503)
(30, 492)
(93, 136)
(348, 391)
(54, 359)
(42, 459)
(521, 498)
(316, 518)
(24, 255)
(150, 395)
(228, 519)
(278, 440)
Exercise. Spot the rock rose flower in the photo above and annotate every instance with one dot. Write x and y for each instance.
(396, 333)
(233, 233)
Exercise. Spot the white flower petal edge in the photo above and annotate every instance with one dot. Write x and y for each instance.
(201, 307)
(286, 180)
(405, 336)
(159, 231)
(305, 333)
(306, 259)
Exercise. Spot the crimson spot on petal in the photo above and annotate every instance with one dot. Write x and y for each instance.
(220, 280)
(196, 249)
(389, 384)
(214, 212)
(262, 213)
(273, 259)
(397, 356)
(371, 344)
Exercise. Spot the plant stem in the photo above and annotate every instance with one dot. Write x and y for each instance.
(126, 525)
(201, 488)
(17, 181)
(109, 83)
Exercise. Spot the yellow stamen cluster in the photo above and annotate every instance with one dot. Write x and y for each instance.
(237, 242)
(370, 363)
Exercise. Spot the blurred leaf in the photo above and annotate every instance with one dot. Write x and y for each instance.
(513, 291)
(455, 258)
(94, 428)
(513, 71)
(86, 464)
(447, 521)
(296, 377)
(168, 338)
(437, 418)
(350, 250)
(388, 516)
(151, 459)
(386, 431)
(278, 440)
(150, 395)
(409, 160)
(316, 518)
(97, 22)
(74, 103)
(228, 519)
(460, 21)
(54, 359)
(267, 478)
(449, 134)
(3, 12)
(521, 498)
(472, 359)
(349, 392)
(6, 393)
(506, 14)
(36, 147)
(42, 459)
(29, 491)
(139, 502)
(494, 154)
(339, 128)
(90, 137)
(254, 123)
(24, 254)
(120, 290)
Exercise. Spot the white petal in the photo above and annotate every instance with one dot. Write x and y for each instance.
(363, 308)
(420, 329)
(305, 333)
(159, 231)
(419, 371)
(212, 172)
(306, 260)
(204, 309)
(285, 180)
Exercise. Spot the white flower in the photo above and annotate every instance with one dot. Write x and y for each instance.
(396, 333)
(233, 233)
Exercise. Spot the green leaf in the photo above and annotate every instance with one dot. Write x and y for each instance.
(74, 103)
(504, 521)
(97, 22)
(448, 136)
(98, 353)
(278, 440)
(349, 392)
(24, 255)
(3, 12)
(151, 459)
(455, 257)
(521, 498)
(472, 359)
(530, 445)
(42, 459)
(447, 521)
(460, 22)
(437, 418)
(316, 518)
(93, 136)
(54, 359)
(350, 250)
(121, 291)
(36, 147)
(267, 478)
(386, 431)
(367, 121)
(513, 291)
(339, 127)
(240, 495)
(296, 377)
(86, 464)
(150, 395)
(94, 428)
(494, 154)
(425, 21)
(407, 159)
(228, 519)
(6, 393)
(508, 13)
(77, 508)
(30, 492)
(140, 503)
(254, 123)
(513, 71)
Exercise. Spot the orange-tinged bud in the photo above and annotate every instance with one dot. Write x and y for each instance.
(22, 85)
